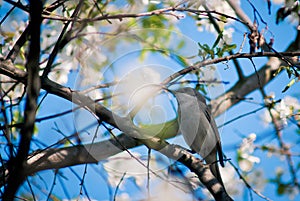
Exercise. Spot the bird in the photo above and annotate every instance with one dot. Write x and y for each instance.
(199, 128)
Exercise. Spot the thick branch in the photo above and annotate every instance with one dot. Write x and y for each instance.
(16, 164)
(251, 83)
(81, 154)
(245, 86)
(92, 153)
(239, 12)
(189, 69)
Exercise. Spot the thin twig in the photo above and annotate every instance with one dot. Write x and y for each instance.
(241, 116)
(148, 173)
(53, 184)
(118, 186)
(246, 182)
(88, 155)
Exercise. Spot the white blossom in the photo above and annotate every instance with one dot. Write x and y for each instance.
(84, 53)
(123, 197)
(227, 37)
(122, 163)
(168, 190)
(231, 181)
(49, 36)
(279, 171)
(12, 33)
(257, 179)
(293, 192)
(12, 95)
(282, 111)
(135, 85)
(147, 2)
(219, 6)
(246, 159)
(278, 1)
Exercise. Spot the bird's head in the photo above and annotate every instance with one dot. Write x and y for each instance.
(192, 92)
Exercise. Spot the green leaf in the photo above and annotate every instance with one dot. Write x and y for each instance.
(293, 81)
(180, 60)
(281, 189)
(143, 54)
(289, 72)
(264, 148)
(228, 48)
(19, 66)
(35, 129)
(279, 70)
(206, 48)
(180, 44)
(217, 40)
(212, 53)
(220, 52)
(152, 7)
(131, 2)
(154, 21)
(201, 46)
(201, 87)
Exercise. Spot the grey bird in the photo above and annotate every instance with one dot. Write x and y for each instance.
(199, 128)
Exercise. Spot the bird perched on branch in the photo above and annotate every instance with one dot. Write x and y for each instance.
(199, 128)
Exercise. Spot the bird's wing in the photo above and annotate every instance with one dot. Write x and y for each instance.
(199, 128)
(216, 134)
(194, 123)
(188, 117)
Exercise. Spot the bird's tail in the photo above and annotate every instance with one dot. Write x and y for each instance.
(211, 160)
(214, 168)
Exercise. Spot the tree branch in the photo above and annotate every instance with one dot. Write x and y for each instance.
(16, 164)
(250, 83)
